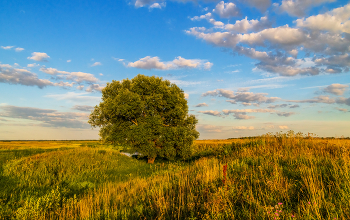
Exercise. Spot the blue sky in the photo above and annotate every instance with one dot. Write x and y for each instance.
(247, 67)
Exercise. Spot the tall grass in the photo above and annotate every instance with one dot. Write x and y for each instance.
(275, 176)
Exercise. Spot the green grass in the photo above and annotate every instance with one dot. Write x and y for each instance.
(280, 176)
(30, 174)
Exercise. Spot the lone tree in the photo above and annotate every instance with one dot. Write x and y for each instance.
(147, 114)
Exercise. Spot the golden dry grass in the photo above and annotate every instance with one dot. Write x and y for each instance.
(279, 176)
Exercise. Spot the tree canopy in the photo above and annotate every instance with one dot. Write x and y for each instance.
(147, 114)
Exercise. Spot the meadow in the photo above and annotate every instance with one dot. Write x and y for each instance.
(273, 176)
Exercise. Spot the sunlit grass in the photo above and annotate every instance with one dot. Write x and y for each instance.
(276, 176)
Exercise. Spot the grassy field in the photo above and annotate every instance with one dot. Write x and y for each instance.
(275, 176)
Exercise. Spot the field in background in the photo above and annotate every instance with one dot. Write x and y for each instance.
(275, 176)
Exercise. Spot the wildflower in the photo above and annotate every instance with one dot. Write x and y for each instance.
(280, 203)
(309, 202)
(276, 213)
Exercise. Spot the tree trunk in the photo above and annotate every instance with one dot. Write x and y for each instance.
(151, 159)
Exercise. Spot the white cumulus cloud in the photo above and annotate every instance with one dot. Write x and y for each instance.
(38, 56)
(32, 65)
(336, 21)
(336, 89)
(178, 63)
(299, 7)
(19, 49)
(74, 76)
(97, 64)
(6, 47)
(157, 5)
(94, 87)
(226, 10)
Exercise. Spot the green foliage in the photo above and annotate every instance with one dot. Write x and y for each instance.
(37, 182)
(147, 114)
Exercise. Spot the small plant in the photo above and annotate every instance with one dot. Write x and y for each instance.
(276, 212)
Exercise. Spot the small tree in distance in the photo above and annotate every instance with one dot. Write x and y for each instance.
(147, 114)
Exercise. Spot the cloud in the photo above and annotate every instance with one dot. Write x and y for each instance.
(187, 96)
(75, 97)
(242, 113)
(318, 99)
(94, 87)
(11, 75)
(226, 10)
(184, 63)
(245, 25)
(324, 99)
(209, 17)
(33, 65)
(64, 84)
(294, 106)
(210, 128)
(278, 106)
(83, 108)
(178, 63)
(74, 76)
(96, 64)
(343, 100)
(19, 49)
(242, 116)
(293, 52)
(283, 127)
(298, 8)
(227, 112)
(335, 63)
(210, 112)
(342, 109)
(207, 65)
(279, 46)
(201, 104)
(80, 87)
(6, 47)
(336, 21)
(37, 56)
(285, 70)
(283, 36)
(243, 97)
(285, 114)
(150, 63)
(158, 5)
(243, 128)
(144, 3)
(47, 117)
(68, 61)
(206, 16)
(262, 5)
(336, 89)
